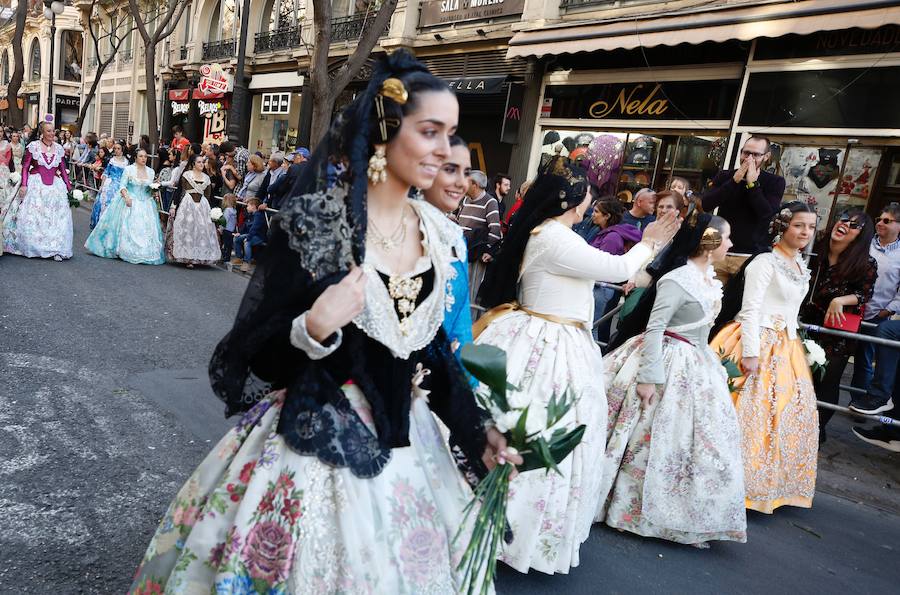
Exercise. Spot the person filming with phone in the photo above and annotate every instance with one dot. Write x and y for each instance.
(746, 197)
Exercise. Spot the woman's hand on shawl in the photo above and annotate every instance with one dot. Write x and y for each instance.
(337, 306)
(496, 452)
(647, 393)
(662, 230)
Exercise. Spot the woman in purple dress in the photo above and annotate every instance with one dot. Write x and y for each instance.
(40, 225)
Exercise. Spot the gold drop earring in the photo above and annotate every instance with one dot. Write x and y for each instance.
(377, 165)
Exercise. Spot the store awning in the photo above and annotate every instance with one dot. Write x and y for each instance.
(277, 80)
(718, 23)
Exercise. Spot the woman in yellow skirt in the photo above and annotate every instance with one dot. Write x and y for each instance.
(775, 401)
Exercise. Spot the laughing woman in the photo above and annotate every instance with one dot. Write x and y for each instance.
(775, 401)
(339, 481)
(445, 194)
(541, 289)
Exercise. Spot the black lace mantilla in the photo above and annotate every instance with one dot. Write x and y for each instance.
(317, 419)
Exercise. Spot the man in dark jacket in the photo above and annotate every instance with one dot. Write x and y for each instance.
(747, 197)
(282, 188)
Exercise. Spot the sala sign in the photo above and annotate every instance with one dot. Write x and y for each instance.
(632, 102)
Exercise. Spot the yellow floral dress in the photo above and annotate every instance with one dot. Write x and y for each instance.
(776, 406)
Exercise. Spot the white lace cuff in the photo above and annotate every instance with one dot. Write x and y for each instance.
(314, 350)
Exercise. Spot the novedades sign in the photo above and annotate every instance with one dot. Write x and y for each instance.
(440, 12)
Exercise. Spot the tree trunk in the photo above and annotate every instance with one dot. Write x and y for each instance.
(16, 114)
(326, 89)
(152, 116)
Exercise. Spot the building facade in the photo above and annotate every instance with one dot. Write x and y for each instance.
(66, 64)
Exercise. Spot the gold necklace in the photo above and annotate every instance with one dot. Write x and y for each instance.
(404, 291)
(396, 238)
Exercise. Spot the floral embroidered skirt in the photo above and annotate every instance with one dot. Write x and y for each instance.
(673, 470)
(41, 224)
(191, 235)
(551, 514)
(779, 421)
(257, 517)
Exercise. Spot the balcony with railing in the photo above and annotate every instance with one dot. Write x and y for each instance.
(280, 39)
(125, 57)
(218, 50)
(352, 27)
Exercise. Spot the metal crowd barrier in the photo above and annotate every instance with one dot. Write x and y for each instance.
(813, 328)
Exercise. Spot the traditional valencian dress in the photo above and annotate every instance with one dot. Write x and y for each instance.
(190, 233)
(130, 233)
(41, 224)
(340, 481)
(776, 406)
(673, 470)
(6, 194)
(550, 350)
(109, 190)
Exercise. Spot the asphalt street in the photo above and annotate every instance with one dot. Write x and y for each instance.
(105, 409)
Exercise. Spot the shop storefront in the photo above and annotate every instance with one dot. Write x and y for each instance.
(33, 107)
(828, 103)
(632, 133)
(276, 111)
(67, 108)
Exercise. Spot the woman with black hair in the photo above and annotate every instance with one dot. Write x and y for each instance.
(673, 467)
(340, 480)
(845, 277)
(190, 233)
(775, 401)
(541, 290)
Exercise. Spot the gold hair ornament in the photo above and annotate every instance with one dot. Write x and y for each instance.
(711, 239)
(394, 90)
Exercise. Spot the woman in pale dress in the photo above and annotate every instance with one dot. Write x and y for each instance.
(6, 167)
(191, 234)
(339, 481)
(673, 467)
(18, 149)
(775, 399)
(541, 289)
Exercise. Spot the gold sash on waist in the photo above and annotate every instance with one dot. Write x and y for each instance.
(504, 309)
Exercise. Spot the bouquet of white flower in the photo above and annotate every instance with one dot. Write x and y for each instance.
(815, 357)
(154, 186)
(14, 178)
(75, 197)
(539, 434)
(217, 216)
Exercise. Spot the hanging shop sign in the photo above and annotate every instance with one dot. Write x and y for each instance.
(214, 79)
(276, 104)
(845, 42)
(179, 101)
(33, 97)
(66, 101)
(840, 98)
(512, 117)
(442, 12)
(481, 85)
(675, 100)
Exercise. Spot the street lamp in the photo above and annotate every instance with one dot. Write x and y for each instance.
(51, 9)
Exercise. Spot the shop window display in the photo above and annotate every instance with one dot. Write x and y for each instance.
(625, 162)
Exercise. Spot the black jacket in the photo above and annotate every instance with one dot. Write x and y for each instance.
(747, 210)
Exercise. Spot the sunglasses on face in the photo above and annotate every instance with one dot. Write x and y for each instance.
(853, 224)
(885, 220)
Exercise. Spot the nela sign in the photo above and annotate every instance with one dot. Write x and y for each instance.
(634, 101)
(442, 12)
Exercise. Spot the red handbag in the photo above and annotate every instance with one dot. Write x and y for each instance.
(851, 322)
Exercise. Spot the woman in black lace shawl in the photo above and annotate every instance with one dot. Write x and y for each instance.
(337, 477)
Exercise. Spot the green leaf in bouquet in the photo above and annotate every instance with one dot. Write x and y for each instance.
(488, 365)
(560, 446)
(558, 408)
(519, 433)
(543, 449)
(731, 368)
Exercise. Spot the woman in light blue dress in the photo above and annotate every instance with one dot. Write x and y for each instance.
(129, 227)
(448, 190)
(112, 182)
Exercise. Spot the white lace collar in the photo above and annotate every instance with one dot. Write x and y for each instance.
(703, 287)
(379, 318)
(783, 265)
(56, 150)
(198, 186)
